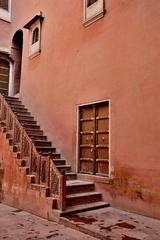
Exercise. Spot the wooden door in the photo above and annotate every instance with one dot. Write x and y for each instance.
(94, 139)
(4, 77)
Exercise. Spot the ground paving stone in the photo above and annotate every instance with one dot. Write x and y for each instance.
(106, 224)
(114, 224)
(19, 225)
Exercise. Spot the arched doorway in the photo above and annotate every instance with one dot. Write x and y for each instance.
(16, 53)
(4, 76)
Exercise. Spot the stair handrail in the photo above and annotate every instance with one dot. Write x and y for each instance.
(41, 166)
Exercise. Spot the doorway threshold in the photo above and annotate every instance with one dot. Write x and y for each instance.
(94, 178)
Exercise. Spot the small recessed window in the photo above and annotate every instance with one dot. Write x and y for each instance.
(90, 2)
(5, 10)
(34, 26)
(35, 35)
(93, 10)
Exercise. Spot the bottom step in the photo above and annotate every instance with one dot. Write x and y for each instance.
(84, 208)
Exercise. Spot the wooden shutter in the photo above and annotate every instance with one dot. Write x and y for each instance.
(4, 76)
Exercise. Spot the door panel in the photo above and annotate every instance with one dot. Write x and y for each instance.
(87, 139)
(102, 124)
(94, 139)
(102, 168)
(87, 112)
(4, 76)
(86, 147)
(102, 139)
(87, 126)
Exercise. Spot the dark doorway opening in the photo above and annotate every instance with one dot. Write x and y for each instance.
(16, 52)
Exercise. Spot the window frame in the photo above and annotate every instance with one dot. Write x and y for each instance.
(35, 48)
(35, 35)
(92, 12)
(6, 14)
(79, 107)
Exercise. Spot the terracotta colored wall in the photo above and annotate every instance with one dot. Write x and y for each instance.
(115, 58)
(16, 189)
(5, 32)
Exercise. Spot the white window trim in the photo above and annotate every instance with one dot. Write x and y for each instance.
(93, 12)
(35, 49)
(4, 14)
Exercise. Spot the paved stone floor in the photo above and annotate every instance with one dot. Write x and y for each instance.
(113, 224)
(106, 224)
(20, 225)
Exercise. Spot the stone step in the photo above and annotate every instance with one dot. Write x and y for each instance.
(34, 132)
(44, 149)
(58, 162)
(63, 168)
(71, 176)
(77, 186)
(30, 126)
(21, 162)
(25, 170)
(37, 137)
(24, 117)
(14, 105)
(84, 208)
(40, 188)
(52, 155)
(11, 98)
(23, 121)
(42, 143)
(19, 113)
(19, 108)
(82, 198)
(17, 102)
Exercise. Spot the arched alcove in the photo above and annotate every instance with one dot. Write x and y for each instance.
(16, 53)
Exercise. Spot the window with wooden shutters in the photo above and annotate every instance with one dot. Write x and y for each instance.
(4, 76)
(5, 10)
(93, 10)
(94, 139)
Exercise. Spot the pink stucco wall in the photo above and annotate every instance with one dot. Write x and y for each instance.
(115, 58)
(5, 32)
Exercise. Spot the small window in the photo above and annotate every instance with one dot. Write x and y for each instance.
(35, 35)
(5, 10)
(34, 26)
(90, 2)
(93, 10)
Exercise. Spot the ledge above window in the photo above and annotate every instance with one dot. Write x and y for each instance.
(93, 10)
(5, 10)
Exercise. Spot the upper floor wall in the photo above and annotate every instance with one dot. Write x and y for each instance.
(5, 25)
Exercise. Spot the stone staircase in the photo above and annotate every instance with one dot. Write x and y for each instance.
(80, 195)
